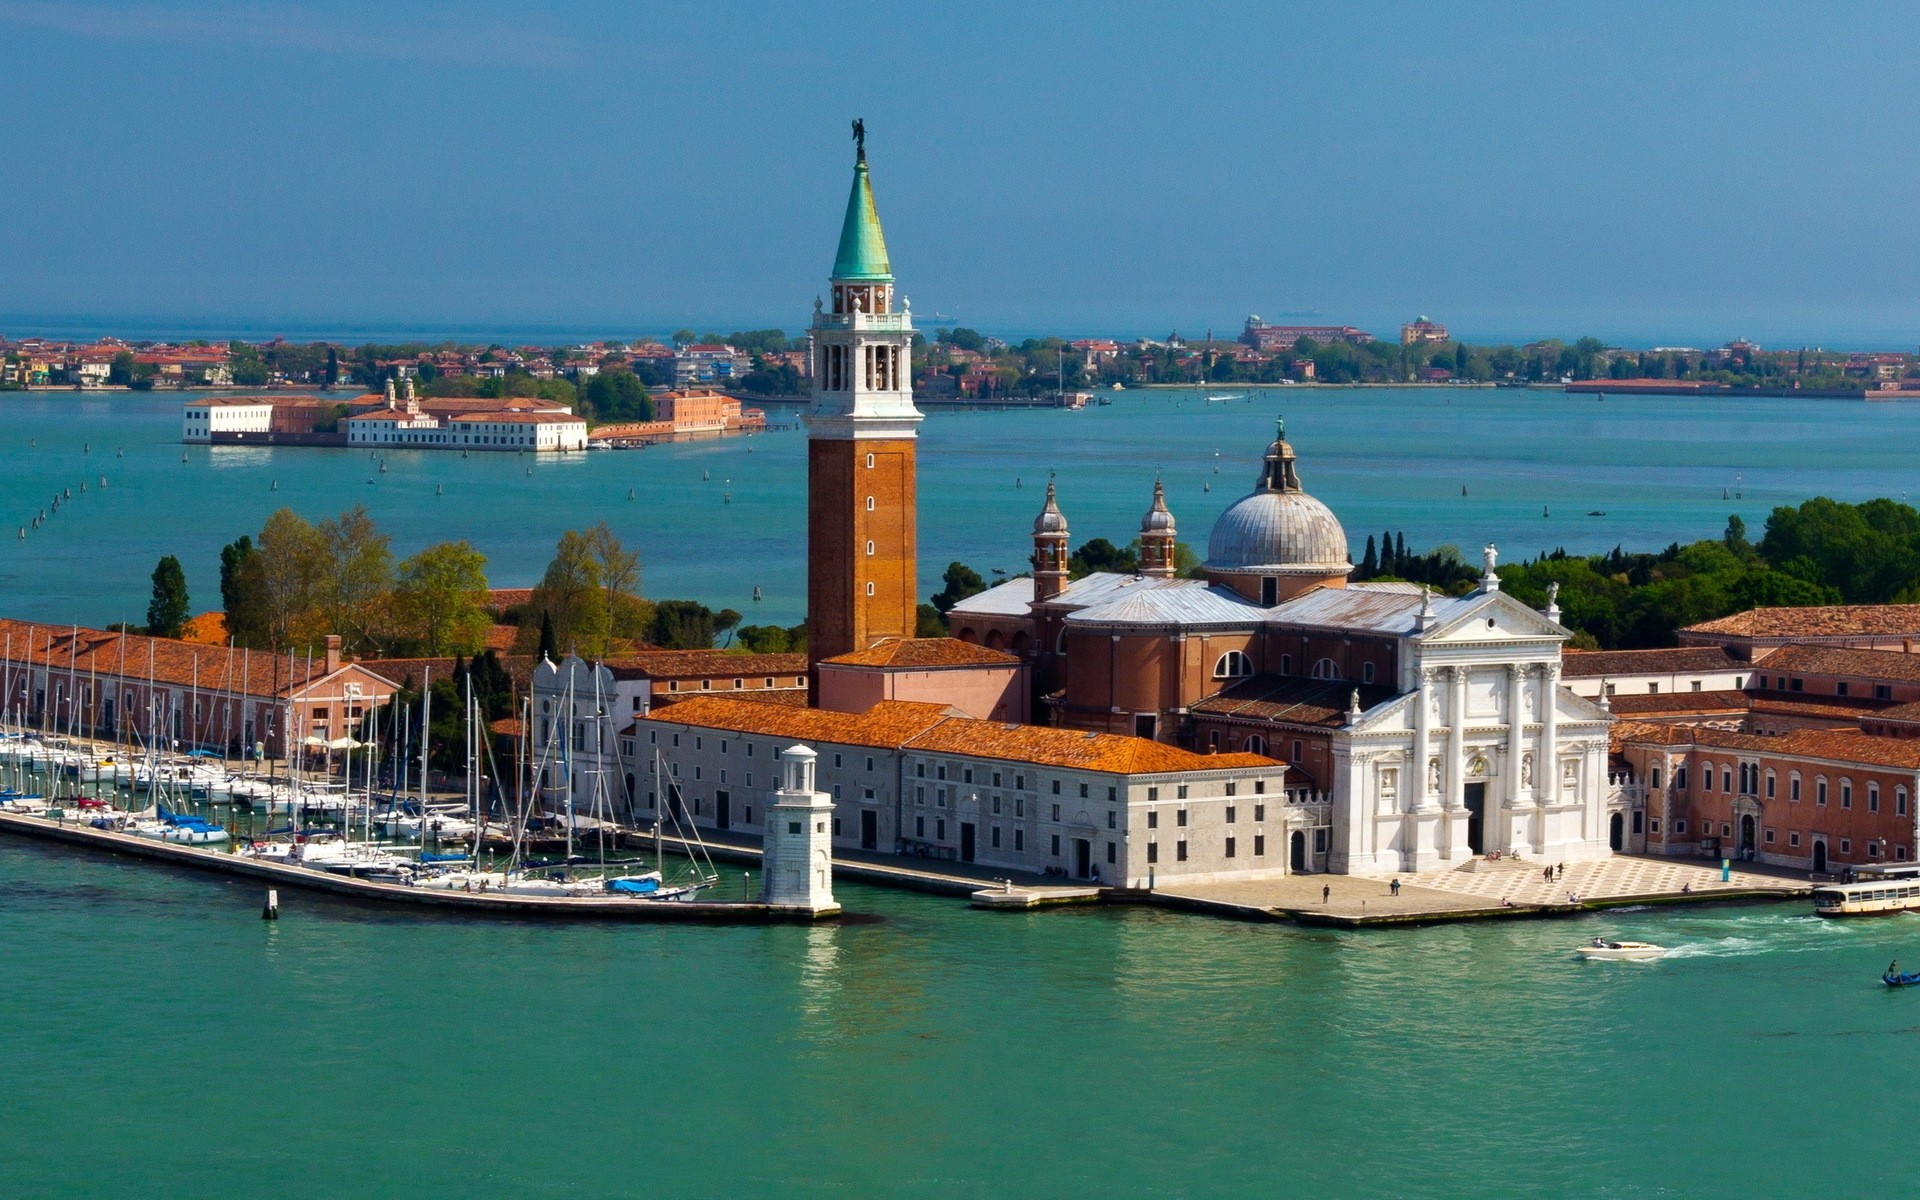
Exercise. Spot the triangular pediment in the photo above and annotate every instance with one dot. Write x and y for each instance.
(1493, 617)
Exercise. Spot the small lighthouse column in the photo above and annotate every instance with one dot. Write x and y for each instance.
(797, 863)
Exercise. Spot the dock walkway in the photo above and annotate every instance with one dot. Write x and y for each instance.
(432, 900)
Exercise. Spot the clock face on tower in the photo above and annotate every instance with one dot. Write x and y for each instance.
(862, 435)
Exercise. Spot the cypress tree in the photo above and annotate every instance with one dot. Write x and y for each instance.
(546, 636)
(1400, 551)
(168, 609)
(1387, 565)
(1369, 565)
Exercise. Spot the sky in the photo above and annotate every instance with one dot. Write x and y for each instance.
(1678, 173)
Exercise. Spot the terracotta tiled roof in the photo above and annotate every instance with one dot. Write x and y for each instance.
(889, 724)
(926, 654)
(1841, 746)
(89, 652)
(1589, 664)
(1291, 700)
(1835, 660)
(1840, 620)
(704, 664)
(792, 697)
(1071, 748)
(1666, 703)
(1905, 714)
(411, 671)
(901, 724)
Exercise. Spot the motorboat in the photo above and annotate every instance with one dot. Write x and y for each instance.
(1606, 948)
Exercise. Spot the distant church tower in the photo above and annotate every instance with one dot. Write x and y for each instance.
(797, 847)
(861, 429)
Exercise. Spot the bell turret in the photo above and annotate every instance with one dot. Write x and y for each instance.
(1049, 549)
(1157, 535)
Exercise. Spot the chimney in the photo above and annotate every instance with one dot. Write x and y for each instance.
(333, 653)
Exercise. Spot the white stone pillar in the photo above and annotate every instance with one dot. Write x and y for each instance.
(1417, 788)
(1516, 729)
(1456, 764)
(797, 838)
(1546, 766)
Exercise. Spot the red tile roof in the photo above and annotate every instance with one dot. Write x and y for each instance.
(1840, 620)
(932, 728)
(704, 664)
(925, 654)
(1892, 665)
(1681, 660)
(91, 652)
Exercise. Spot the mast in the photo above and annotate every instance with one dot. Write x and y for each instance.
(426, 740)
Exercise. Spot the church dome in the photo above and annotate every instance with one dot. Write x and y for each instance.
(1278, 529)
(1051, 520)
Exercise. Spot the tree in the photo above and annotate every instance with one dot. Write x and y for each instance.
(615, 396)
(571, 600)
(547, 648)
(773, 639)
(963, 338)
(1370, 564)
(168, 610)
(1099, 554)
(960, 581)
(689, 624)
(685, 337)
(440, 597)
(240, 594)
(359, 574)
(292, 560)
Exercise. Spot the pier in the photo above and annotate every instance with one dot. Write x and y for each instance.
(427, 899)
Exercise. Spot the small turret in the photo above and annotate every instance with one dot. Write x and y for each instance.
(1157, 537)
(1049, 549)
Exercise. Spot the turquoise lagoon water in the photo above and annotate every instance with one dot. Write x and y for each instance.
(157, 1039)
(1658, 467)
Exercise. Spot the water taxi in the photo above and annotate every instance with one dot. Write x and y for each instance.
(1869, 898)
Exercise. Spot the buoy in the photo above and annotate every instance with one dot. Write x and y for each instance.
(275, 487)
(23, 536)
(439, 489)
(756, 587)
(726, 497)
(272, 910)
(629, 493)
(703, 477)
(103, 482)
(83, 487)
(86, 447)
(183, 456)
(529, 472)
(119, 453)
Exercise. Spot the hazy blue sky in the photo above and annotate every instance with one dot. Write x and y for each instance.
(1687, 171)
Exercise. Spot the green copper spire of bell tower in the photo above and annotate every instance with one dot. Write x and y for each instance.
(862, 257)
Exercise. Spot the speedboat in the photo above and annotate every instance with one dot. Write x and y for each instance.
(1605, 948)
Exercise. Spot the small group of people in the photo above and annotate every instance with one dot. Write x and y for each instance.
(1556, 871)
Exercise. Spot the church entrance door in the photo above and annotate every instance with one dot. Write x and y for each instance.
(1819, 854)
(1299, 852)
(1476, 802)
(1616, 832)
(1746, 835)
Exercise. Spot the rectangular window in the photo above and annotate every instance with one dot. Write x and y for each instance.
(869, 763)
(996, 774)
(1770, 782)
(1793, 789)
(1019, 839)
(1873, 797)
(994, 836)
(1019, 783)
(1680, 825)
(1056, 845)
(1259, 787)
(1259, 844)
(1820, 792)
(1180, 850)
(966, 775)
(1113, 794)
(1846, 793)
(1259, 812)
(1153, 819)
(919, 827)
(1793, 839)
(1153, 852)
(1840, 688)
(939, 831)
(1769, 837)
(1056, 812)
(1882, 692)
(1113, 818)
(1233, 789)
(1229, 847)
(1180, 818)
(1056, 787)
(1655, 778)
(1083, 791)
(1230, 812)
(1153, 794)
(1111, 855)
(1180, 793)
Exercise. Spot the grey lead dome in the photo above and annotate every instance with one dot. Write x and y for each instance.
(1278, 529)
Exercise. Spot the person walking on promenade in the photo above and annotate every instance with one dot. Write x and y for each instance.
(1394, 887)
(1326, 892)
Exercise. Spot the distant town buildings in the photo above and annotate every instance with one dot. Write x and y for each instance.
(1278, 339)
(1422, 332)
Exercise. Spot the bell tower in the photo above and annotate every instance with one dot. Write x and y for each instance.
(1049, 550)
(1157, 537)
(861, 431)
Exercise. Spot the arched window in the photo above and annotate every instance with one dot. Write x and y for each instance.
(1793, 787)
(1233, 665)
(1326, 668)
(1256, 744)
(1706, 777)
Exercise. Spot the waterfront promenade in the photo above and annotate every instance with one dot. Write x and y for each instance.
(1490, 890)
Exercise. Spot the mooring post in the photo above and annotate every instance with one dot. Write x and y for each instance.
(272, 910)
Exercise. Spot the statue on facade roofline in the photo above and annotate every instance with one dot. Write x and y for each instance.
(1491, 556)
